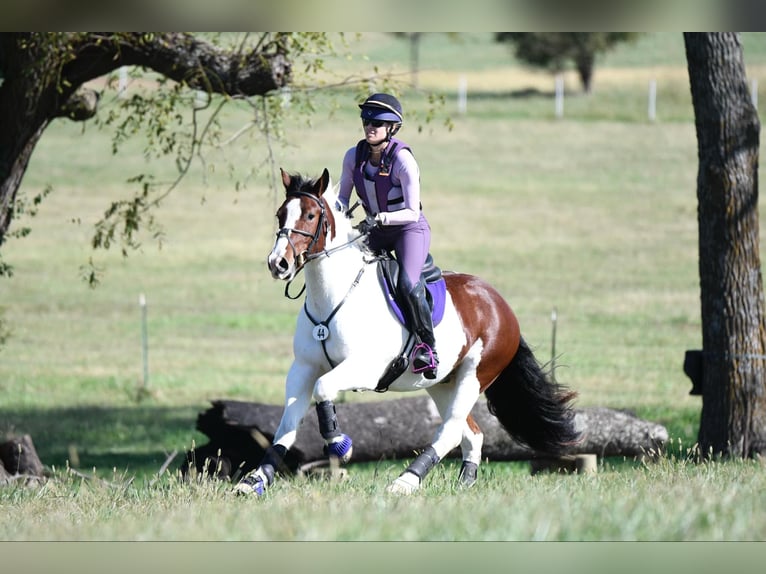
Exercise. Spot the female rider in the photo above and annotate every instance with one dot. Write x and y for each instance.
(387, 180)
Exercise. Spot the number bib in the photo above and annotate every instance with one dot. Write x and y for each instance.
(321, 332)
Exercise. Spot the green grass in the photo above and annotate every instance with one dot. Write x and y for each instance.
(671, 500)
(593, 214)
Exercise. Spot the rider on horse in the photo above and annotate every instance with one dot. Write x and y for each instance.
(387, 180)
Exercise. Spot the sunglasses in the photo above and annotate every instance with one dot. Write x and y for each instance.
(373, 123)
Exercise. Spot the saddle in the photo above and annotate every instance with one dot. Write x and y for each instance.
(436, 291)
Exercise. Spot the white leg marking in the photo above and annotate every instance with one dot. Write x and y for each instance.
(407, 483)
(300, 379)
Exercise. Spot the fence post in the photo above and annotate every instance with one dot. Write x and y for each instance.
(462, 95)
(554, 319)
(754, 92)
(652, 100)
(144, 345)
(122, 83)
(559, 83)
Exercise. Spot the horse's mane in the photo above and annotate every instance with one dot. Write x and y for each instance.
(343, 225)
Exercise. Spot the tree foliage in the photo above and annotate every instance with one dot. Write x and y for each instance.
(193, 77)
(556, 50)
(44, 76)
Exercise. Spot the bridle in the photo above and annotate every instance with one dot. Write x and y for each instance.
(308, 254)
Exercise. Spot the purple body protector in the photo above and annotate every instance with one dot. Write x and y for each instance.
(410, 242)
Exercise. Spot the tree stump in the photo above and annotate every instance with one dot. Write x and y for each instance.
(19, 456)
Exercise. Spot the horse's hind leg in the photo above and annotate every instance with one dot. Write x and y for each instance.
(454, 401)
(473, 440)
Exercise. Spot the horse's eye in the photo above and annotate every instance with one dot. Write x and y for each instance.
(311, 216)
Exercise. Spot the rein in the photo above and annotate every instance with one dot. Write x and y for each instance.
(311, 257)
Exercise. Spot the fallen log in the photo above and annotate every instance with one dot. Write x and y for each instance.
(239, 433)
(19, 456)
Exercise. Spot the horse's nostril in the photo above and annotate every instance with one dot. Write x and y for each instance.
(282, 264)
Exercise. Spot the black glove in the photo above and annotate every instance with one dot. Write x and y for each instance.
(367, 225)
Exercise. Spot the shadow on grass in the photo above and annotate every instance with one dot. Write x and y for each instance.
(502, 95)
(136, 440)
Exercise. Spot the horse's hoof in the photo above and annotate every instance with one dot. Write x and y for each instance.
(468, 474)
(251, 485)
(407, 483)
(340, 449)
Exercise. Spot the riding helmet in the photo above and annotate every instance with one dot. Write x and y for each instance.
(382, 107)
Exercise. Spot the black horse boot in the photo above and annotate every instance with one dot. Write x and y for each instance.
(424, 357)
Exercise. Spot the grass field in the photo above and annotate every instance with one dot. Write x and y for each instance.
(593, 214)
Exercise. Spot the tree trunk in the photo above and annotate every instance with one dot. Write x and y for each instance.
(733, 421)
(585, 62)
(240, 432)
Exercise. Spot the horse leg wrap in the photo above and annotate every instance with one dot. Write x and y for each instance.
(273, 460)
(469, 472)
(425, 461)
(337, 444)
(328, 422)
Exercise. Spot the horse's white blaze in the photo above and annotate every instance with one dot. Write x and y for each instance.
(279, 251)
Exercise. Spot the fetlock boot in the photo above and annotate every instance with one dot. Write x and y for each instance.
(424, 357)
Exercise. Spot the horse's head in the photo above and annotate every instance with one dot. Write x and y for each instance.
(305, 218)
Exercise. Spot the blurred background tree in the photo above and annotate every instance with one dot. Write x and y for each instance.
(556, 50)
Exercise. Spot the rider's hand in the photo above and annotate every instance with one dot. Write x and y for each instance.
(367, 225)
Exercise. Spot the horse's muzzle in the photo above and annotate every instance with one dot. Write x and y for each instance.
(280, 267)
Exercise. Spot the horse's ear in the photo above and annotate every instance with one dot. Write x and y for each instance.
(286, 179)
(322, 183)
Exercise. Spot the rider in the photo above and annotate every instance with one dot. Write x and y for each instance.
(387, 180)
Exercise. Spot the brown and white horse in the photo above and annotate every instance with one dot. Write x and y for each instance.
(346, 336)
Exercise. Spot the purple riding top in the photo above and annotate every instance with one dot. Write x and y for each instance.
(390, 192)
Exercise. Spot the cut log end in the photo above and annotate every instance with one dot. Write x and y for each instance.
(568, 464)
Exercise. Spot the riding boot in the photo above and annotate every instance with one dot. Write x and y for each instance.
(424, 357)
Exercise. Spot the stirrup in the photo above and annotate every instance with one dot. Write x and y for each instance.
(424, 360)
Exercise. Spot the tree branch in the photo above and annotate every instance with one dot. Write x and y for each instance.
(183, 58)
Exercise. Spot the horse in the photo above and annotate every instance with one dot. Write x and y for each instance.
(347, 335)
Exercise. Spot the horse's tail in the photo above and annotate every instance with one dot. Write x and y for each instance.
(535, 410)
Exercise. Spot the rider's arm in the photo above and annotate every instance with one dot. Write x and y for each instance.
(346, 178)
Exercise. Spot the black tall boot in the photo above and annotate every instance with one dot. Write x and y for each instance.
(424, 357)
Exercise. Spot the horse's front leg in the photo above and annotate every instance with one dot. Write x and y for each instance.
(351, 374)
(300, 380)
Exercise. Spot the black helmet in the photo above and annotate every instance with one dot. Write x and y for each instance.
(382, 107)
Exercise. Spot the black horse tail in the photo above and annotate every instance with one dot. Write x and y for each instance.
(535, 410)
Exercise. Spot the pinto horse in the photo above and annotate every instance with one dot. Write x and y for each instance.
(347, 335)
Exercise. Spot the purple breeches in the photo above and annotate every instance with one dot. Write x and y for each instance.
(410, 244)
